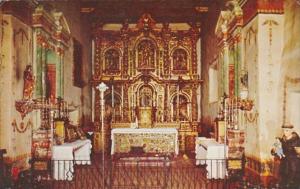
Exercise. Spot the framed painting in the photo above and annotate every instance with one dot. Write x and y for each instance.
(77, 64)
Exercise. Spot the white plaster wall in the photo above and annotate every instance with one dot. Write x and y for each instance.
(250, 54)
(291, 64)
(6, 85)
(270, 45)
(21, 58)
(262, 51)
(17, 53)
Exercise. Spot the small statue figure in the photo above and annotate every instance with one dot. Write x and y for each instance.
(278, 149)
(28, 83)
(290, 163)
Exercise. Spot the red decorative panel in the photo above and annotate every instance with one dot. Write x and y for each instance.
(231, 79)
(275, 6)
(253, 7)
(51, 84)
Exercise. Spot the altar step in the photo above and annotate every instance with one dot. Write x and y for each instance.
(143, 161)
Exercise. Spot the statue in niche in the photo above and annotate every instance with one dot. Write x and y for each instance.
(182, 108)
(29, 80)
(145, 101)
(146, 54)
(146, 96)
(180, 60)
(112, 61)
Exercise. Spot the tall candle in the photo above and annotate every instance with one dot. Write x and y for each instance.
(231, 113)
(172, 111)
(177, 96)
(112, 96)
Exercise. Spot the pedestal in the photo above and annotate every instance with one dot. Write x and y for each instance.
(145, 117)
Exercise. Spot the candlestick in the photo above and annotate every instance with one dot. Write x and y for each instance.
(177, 103)
(112, 96)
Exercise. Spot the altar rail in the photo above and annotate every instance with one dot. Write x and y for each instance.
(162, 174)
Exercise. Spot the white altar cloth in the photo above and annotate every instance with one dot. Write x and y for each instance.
(210, 152)
(65, 155)
(161, 140)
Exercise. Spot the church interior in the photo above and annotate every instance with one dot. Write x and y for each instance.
(172, 94)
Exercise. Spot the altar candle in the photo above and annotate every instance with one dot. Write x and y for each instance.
(225, 113)
(231, 112)
(112, 96)
(177, 96)
(171, 111)
(188, 111)
(236, 114)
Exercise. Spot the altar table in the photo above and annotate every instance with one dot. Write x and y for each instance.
(154, 140)
(68, 154)
(213, 154)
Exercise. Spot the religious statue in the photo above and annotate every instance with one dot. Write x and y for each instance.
(146, 54)
(29, 80)
(290, 162)
(179, 59)
(112, 61)
(278, 148)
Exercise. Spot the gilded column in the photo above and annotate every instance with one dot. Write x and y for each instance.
(125, 101)
(167, 104)
(166, 35)
(97, 110)
(125, 38)
(194, 102)
(97, 53)
(238, 63)
(226, 60)
(194, 33)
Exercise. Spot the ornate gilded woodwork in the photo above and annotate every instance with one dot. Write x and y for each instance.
(228, 31)
(51, 35)
(147, 65)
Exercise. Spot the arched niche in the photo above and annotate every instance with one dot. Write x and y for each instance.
(113, 109)
(182, 111)
(180, 61)
(146, 54)
(146, 96)
(112, 61)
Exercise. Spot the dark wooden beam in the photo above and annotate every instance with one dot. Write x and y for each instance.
(115, 11)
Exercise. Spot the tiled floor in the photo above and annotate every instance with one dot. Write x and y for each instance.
(149, 172)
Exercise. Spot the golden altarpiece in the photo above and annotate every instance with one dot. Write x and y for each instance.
(153, 77)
